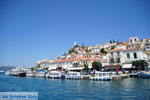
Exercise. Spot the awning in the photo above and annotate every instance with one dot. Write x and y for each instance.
(112, 67)
(127, 66)
(76, 68)
(51, 68)
(39, 68)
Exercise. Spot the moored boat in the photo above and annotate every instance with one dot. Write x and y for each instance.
(74, 75)
(56, 75)
(7, 73)
(20, 72)
(30, 74)
(143, 74)
(103, 76)
(40, 74)
(1, 71)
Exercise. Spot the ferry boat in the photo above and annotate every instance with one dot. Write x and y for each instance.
(74, 75)
(103, 76)
(20, 72)
(143, 74)
(56, 75)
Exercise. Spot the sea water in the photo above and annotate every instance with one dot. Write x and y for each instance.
(56, 89)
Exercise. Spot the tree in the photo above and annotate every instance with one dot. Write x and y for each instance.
(64, 54)
(76, 46)
(96, 65)
(86, 67)
(32, 69)
(87, 51)
(90, 50)
(113, 41)
(71, 50)
(103, 51)
(82, 45)
(113, 47)
(38, 66)
(140, 64)
(110, 41)
(75, 52)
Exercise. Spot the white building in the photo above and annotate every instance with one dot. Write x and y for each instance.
(132, 54)
(124, 58)
(133, 39)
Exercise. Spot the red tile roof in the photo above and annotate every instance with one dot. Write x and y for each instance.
(131, 49)
(64, 60)
(117, 49)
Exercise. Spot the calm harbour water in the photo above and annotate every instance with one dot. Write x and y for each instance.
(48, 89)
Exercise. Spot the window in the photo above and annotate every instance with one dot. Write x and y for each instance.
(118, 60)
(128, 55)
(135, 55)
(112, 60)
(134, 39)
(118, 53)
(112, 54)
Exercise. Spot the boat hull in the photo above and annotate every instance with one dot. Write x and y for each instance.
(143, 75)
(22, 74)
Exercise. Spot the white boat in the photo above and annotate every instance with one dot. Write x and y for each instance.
(56, 75)
(74, 75)
(30, 74)
(1, 71)
(20, 72)
(40, 74)
(7, 73)
(13, 72)
(104, 76)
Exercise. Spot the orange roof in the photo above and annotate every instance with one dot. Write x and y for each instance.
(103, 60)
(80, 58)
(131, 49)
(64, 60)
(126, 42)
(93, 59)
(43, 61)
(117, 49)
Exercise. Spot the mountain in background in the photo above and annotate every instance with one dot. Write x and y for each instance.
(5, 68)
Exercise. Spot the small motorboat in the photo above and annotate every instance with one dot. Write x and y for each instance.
(103, 76)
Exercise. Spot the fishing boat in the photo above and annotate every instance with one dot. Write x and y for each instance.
(143, 74)
(74, 75)
(103, 76)
(56, 75)
(22, 72)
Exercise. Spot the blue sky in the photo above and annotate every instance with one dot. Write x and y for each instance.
(32, 30)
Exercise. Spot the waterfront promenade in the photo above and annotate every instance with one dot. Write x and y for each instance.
(51, 89)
